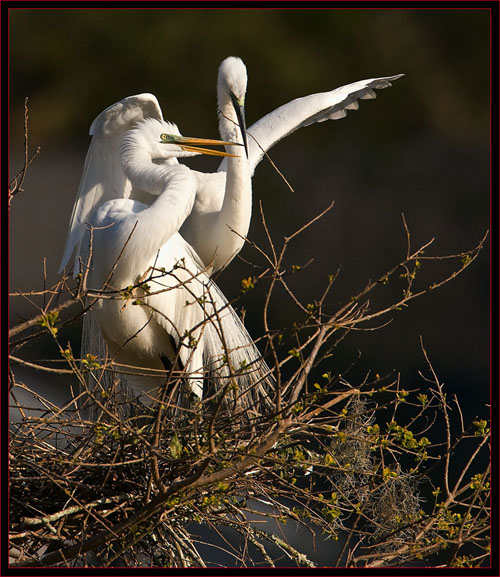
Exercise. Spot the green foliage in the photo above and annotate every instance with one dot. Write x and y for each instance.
(90, 362)
(176, 447)
(247, 284)
(481, 428)
(49, 321)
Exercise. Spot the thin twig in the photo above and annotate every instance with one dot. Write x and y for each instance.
(16, 184)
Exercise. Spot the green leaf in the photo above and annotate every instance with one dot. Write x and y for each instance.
(175, 447)
(247, 284)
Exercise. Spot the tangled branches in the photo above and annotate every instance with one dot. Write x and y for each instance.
(363, 465)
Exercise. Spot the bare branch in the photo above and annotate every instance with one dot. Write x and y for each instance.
(16, 184)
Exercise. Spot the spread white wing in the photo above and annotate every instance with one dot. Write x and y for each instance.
(270, 129)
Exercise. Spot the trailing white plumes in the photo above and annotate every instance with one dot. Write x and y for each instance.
(231, 357)
(213, 341)
(217, 354)
(94, 344)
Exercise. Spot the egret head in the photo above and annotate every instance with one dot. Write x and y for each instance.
(233, 78)
(190, 146)
(158, 140)
(231, 88)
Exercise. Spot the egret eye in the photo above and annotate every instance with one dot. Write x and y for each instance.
(168, 138)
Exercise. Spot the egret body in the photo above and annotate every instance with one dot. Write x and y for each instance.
(181, 316)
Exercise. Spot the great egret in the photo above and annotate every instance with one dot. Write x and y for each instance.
(220, 216)
(221, 212)
(181, 316)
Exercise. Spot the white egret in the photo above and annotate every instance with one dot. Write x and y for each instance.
(181, 316)
(221, 213)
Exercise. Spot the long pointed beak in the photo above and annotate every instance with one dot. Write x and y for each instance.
(191, 144)
(197, 144)
(240, 115)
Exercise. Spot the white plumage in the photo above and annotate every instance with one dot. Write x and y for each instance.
(223, 198)
(186, 222)
(181, 316)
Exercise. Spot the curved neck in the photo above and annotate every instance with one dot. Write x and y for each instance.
(174, 187)
(234, 219)
(138, 166)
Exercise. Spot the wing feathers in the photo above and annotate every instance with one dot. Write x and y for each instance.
(103, 178)
(305, 111)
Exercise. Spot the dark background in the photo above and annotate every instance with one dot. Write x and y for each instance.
(421, 148)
